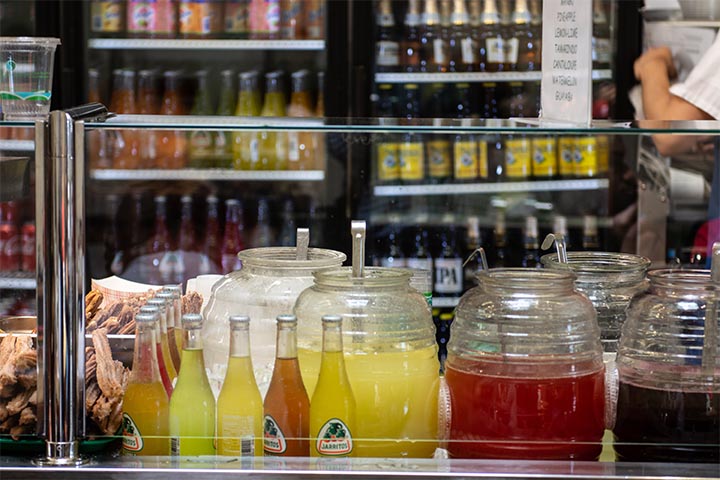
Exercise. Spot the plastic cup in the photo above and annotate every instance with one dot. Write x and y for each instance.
(26, 69)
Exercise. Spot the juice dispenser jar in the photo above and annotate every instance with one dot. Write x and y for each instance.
(610, 281)
(267, 286)
(390, 356)
(668, 398)
(525, 369)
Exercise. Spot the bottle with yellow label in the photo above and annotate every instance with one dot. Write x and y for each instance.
(566, 156)
(411, 149)
(603, 154)
(466, 155)
(332, 408)
(586, 157)
(544, 157)
(439, 155)
(386, 146)
(518, 158)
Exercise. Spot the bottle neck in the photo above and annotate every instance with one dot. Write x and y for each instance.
(332, 338)
(521, 15)
(431, 16)
(412, 17)
(145, 364)
(240, 341)
(192, 339)
(287, 341)
(459, 15)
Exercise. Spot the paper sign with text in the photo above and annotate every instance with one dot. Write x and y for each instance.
(566, 90)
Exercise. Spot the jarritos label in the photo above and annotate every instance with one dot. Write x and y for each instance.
(131, 438)
(334, 438)
(274, 441)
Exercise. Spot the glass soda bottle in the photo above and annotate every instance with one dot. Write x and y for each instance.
(163, 360)
(291, 19)
(148, 103)
(98, 146)
(222, 140)
(332, 408)
(287, 406)
(264, 19)
(262, 234)
(192, 405)
(245, 145)
(236, 19)
(315, 19)
(171, 143)
(126, 152)
(211, 245)
(300, 151)
(273, 145)
(160, 268)
(145, 405)
(233, 240)
(200, 149)
(162, 311)
(172, 295)
(239, 406)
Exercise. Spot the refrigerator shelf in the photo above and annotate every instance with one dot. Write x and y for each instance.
(499, 187)
(17, 281)
(17, 146)
(459, 77)
(182, 44)
(218, 175)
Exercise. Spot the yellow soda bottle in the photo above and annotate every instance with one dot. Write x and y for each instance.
(273, 145)
(240, 406)
(192, 405)
(145, 405)
(245, 148)
(332, 408)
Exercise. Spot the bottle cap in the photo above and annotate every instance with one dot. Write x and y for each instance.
(150, 309)
(159, 303)
(191, 320)
(560, 224)
(332, 319)
(174, 289)
(185, 199)
(211, 199)
(234, 319)
(146, 317)
(286, 319)
(531, 226)
(590, 225)
(160, 198)
(300, 80)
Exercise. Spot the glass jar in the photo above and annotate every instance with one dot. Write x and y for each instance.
(267, 286)
(610, 281)
(390, 356)
(668, 404)
(525, 369)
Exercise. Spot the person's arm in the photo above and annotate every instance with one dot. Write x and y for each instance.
(654, 69)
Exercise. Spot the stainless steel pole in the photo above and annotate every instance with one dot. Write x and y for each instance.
(60, 174)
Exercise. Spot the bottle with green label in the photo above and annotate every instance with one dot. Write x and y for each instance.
(332, 408)
(192, 405)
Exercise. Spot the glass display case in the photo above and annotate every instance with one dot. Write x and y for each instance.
(349, 146)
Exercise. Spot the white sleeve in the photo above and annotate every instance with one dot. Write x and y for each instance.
(702, 86)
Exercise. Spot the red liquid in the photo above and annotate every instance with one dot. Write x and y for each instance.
(164, 376)
(532, 418)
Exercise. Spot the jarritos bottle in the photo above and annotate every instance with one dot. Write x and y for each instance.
(240, 406)
(236, 19)
(125, 145)
(287, 407)
(107, 18)
(200, 18)
(192, 405)
(315, 19)
(171, 144)
(332, 408)
(264, 19)
(246, 145)
(170, 358)
(273, 145)
(145, 404)
(162, 363)
(300, 145)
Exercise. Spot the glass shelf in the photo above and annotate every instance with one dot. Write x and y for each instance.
(182, 44)
(17, 281)
(17, 145)
(499, 187)
(208, 175)
(529, 126)
(457, 77)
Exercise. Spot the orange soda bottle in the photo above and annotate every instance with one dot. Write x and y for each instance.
(148, 103)
(145, 427)
(98, 146)
(300, 151)
(171, 144)
(287, 407)
(125, 145)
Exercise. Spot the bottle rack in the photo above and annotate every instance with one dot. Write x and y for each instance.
(215, 175)
(469, 77)
(181, 44)
(489, 188)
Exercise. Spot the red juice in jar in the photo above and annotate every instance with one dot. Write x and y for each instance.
(505, 417)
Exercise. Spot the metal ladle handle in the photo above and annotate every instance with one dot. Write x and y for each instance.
(303, 242)
(358, 228)
(483, 258)
(560, 245)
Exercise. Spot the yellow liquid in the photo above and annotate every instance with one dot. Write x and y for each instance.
(147, 405)
(397, 400)
(192, 409)
(273, 145)
(240, 411)
(332, 399)
(245, 144)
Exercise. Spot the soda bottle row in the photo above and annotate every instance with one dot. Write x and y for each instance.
(188, 236)
(17, 240)
(232, 19)
(248, 150)
(17, 133)
(460, 36)
(185, 420)
(415, 158)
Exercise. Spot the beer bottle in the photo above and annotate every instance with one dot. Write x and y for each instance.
(222, 140)
(518, 155)
(420, 258)
(387, 49)
(386, 145)
(286, 423)
(463, 44)
(192, 405)
(473, 241)
(560, 227)
(446, 18)
(521, 49)
(160, 243)
(410, 43)
(233, 240)
(332, 408)
(262, 235)
(448, 266)
(433, 49)
(200, 149)
(394, 257)
(590, 238)
(125, 144)
(411, 151)
(138, 244)
(475, 16)
(492, 50)
(544, 157)
(240, 423)
(438, 149)
(531, 244)
(186, 240)
(601, 44)
(536, 27)
(500, 240)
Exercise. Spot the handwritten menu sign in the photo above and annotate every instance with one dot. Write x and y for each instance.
(566, 90)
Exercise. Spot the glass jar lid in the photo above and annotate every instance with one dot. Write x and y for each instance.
(589, 265)
(373, 277)
(525, 280)
(286, 258)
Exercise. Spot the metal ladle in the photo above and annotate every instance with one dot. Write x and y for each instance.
(358, 228)
(303, 242)
(560, 245)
